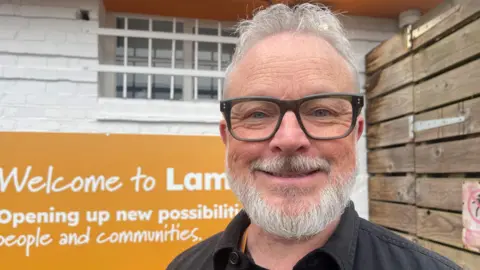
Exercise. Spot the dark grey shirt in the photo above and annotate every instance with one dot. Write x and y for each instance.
(355, 244)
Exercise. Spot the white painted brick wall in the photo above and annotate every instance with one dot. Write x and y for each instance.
(40, 39)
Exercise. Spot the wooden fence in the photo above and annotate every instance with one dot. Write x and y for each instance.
(423, 128)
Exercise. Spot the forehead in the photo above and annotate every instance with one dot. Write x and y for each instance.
(291, 65)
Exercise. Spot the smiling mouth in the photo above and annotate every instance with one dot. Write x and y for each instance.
(291, 174)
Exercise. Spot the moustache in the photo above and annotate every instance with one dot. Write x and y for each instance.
(291, 165)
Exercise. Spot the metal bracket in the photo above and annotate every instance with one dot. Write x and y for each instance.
(430, 24)
(436, 123)
(409, 36)
(411, 133)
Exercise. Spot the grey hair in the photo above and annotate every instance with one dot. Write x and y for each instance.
(309, 18)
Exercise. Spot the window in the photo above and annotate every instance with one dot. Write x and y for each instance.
(163, 58)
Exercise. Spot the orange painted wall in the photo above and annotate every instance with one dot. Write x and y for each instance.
(232, 10)
(84, 155)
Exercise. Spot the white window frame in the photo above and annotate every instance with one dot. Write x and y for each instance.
(149, 71)
(190, 109)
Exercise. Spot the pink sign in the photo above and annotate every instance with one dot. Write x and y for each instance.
(471, 215)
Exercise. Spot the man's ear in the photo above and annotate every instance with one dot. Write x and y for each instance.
(223, 131)
(360, 126)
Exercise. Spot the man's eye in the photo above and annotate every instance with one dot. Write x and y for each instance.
(321, 112)
(257, 115)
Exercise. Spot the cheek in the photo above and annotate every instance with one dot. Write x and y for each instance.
(341, 153)
(241, 154)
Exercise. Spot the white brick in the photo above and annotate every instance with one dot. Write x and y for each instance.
(29, 112)
(82, 38)
(61, 88)
(79, 62)
(80, 126)
(80, 50)
(362, 80)
(42, 99)
(7, 34)
(67, 26)
(32, 61)
(66, 113)
(77, 113)
(79, 101)
(12, 98)
(366, 35)
(369, 23)
(360, 62)
(30, 35)
(27, 73)
(9, 112)
(41, 73)
(38, 11)
(361, 154)
(66, 101)
(56, 113)
(56, 36)
(87, 89)
(8, 9)
(57, 61)
(8, 60)
(46, 11)
(49, 48)
(85, 4)
(37, 125)
(77, 76)
(191, 129)
(155, 128)
(362, 47)
(22, 87)
(13, 23)
(7, 125)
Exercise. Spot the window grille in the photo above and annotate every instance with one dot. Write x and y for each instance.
(166, 58)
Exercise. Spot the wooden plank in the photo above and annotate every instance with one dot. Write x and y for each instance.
(459, 46)
(451, 86)
(468, 9)
(441, 193)
(397, 159)
(460, 156)
(469, 109)
(389, 133)
(440, 226)
(396, 216)
(390, 78)
(397, 189)
(386, 52)
(392, 105)
(466, 260)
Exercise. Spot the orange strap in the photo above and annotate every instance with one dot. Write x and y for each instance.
(243, 246)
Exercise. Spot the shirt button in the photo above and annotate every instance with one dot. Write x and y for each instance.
(234, 258)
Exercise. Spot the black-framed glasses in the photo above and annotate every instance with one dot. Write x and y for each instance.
(324, 116)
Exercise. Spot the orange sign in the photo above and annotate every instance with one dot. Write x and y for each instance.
(98, 201)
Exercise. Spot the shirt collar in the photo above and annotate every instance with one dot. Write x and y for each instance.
(343, 242)
(341, 245)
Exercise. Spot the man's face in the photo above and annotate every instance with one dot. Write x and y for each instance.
(296, 204)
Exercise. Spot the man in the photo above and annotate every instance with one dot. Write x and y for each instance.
(291, 122)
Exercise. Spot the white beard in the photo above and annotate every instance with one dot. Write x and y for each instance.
(300, 218)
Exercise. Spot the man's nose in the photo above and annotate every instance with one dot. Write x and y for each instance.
(290, 137)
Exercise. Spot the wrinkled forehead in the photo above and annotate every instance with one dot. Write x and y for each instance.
(291, 66)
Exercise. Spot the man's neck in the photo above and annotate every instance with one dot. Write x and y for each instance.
(276, 253)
